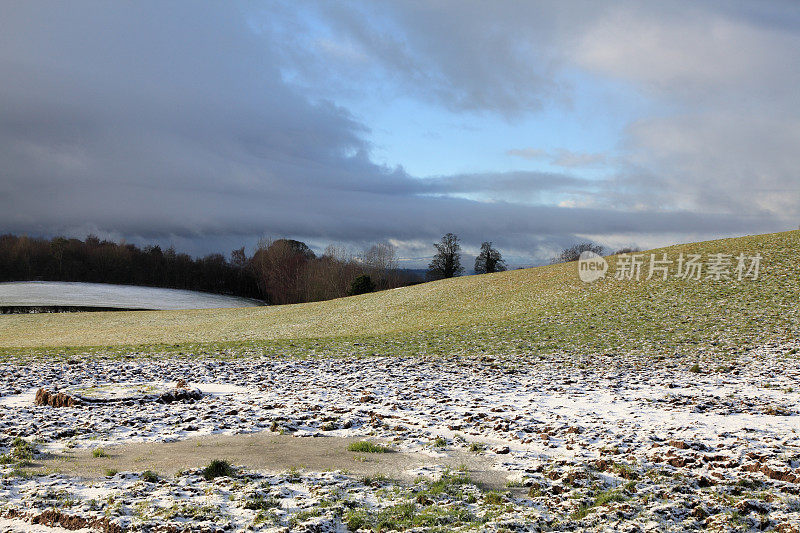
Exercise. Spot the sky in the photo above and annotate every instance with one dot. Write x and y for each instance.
(534, 125)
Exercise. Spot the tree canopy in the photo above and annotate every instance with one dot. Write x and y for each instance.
(489, 260)
(447, 261)
(573, 253)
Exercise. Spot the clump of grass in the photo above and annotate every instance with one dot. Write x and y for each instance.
(110, 472)
(293, 475)
(581, 512)
(363, 446)
(747, 483)
(149, 476)
(302, 516)
(609, 496)
(21, 453)
(625, 471)
(375, 481)
(695, 368)
(260, 503)
(439, 442)
(448, 484)
(218, 468)
(196, 512)
(477, 447)
(99, 452)
(535, 491)
(356, 519)
(603, 498)
(395, 517)
(493, 498)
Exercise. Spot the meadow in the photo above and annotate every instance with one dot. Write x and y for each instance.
(542, 309)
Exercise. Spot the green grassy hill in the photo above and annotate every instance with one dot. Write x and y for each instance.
(539, 309)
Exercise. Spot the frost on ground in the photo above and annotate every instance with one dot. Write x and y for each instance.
(106, 295)
(611, 442)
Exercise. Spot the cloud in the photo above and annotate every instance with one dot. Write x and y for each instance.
(527, 153)
(561, 157)
(570, 159)
(209, 125)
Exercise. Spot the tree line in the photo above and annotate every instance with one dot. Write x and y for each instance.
(101, 261)
(280, 270)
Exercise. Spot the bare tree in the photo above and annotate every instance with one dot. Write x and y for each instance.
(238, 257)
(573, 253)
(447, 261)
(628, 250)
(489, 260)
(329, 276)
(278, 267)
(380, 262)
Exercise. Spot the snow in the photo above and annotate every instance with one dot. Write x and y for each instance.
(569, 430)
(61, 293)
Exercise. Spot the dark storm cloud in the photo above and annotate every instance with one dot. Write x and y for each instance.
(176, 121)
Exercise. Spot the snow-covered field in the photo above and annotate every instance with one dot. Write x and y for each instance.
(623, 443)
(73, 294)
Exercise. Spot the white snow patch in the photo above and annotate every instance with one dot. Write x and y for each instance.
(76, 294)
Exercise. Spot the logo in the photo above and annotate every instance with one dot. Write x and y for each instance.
(591, 267)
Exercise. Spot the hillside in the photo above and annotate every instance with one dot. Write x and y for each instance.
(545, 308)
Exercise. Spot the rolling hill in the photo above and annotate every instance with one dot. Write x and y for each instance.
(542, 309)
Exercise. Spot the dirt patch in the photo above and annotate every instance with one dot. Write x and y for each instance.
(54, 399)
(271, 452)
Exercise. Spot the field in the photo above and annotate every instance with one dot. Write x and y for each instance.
(525, 400)
(541, 309)
(50, 294)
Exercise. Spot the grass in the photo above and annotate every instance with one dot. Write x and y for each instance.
(601, 499)
(439, 505)
(218, 468)
(21, 453)
(493, 498)
(195, 512)
(376, 480)
(261, 503)
(538, 310)
(149, 476)
(363, 446)
(477, 447)
(99, 452)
